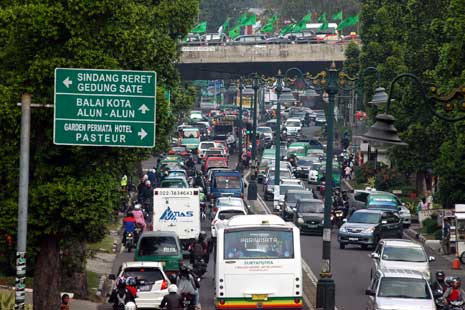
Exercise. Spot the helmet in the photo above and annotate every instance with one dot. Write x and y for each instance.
(202, 235)
(440, 275)
(120, 283)
(172, 288)
(137, 206)
(153, 170)
(131, 281)
(147, 182)
(130, 306)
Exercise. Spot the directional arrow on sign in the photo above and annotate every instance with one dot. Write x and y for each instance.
(67, 82)
(142, 133)
(143, 108)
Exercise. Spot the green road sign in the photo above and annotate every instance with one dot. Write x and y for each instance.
(104, 107)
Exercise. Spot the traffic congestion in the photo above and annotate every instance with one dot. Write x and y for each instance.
(189, 220)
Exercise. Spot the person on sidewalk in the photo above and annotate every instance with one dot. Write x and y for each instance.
(445, 237)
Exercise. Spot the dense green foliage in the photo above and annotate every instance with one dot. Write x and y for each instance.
(424, 37)
(71, 187)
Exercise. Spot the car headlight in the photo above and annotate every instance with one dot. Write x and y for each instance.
(343, 229)
(369, 230)
(322, 221)
(300, 220)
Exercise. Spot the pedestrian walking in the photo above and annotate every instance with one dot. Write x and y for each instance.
(445, 237)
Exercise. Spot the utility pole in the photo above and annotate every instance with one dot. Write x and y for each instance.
(20, 294)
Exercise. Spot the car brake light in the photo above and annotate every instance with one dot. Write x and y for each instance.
(171, 152)
(164, 285)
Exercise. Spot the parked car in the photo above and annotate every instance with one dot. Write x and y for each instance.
(367, 227)
(399, 289)
(309, 215)
(407, 254)
(151, 282)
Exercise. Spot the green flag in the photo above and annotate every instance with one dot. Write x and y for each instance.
(267, 28)
(200, 28)
(273, 19)
(287, 29)
(302, 25)
(242, 19)
(250, 21)
(349, 21)
(235, 32)
(322, 18)
(338, 15)
(323, 26)
(226, 25)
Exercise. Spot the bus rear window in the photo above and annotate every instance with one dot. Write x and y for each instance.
(258, 244)
(225, 182)
(158, 246)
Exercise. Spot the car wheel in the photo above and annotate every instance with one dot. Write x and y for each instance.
(342, 246)
(462, 258)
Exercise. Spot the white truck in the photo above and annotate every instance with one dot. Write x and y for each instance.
(177, 210)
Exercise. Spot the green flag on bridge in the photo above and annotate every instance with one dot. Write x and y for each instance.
(349, 21)
(235, 32)
(338, 15)
(250, 21)
(200, 28)
(226, 25)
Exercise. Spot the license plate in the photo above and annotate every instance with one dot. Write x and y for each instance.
(259, 297)
(353, 239)
(312, 226)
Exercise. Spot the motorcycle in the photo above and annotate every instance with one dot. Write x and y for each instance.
(199, 267)
(337, 217)
(129, 244)
(187, 301)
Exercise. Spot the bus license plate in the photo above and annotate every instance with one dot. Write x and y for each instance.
(259, 297)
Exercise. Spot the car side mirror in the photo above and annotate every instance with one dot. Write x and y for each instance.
(432, 259)
(344, 220)
(370, 292)
(374, 255)
(111, 277)
(383, 222)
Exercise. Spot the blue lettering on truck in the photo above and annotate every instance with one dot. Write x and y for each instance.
(170, 215)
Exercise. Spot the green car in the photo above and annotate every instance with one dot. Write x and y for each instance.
(191, 143)
(336, 174)
(299, 149)
(160, 246)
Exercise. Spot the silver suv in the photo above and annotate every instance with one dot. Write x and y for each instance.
(399, 289)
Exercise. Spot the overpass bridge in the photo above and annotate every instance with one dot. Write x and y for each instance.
(232, 61)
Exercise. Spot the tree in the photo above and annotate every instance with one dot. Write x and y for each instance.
(70, 187)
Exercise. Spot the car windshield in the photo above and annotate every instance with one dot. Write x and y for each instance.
(206, 146)
(311, 207)
(404, 254)
(258, 244)
(293, 124)
(384, 206)
(283, 189)
(296, 149)
(179, 149)
(217, 163)
(227, 214)
(394, 287)
(229, 202)
(173, 184)
(293, 197)
(365, 218)
(264, 129)
(143, 275)
(159, 246)
(227, 182)
(304, 162)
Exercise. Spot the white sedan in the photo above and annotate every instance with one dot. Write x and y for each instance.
(223, 215)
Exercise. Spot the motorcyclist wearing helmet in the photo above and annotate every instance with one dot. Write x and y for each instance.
(131, 286)
(439, 284)
(172, 301)
(139, 216)
(129, 223)
(199, 248)
(120, 296)
(130, 306)
(187, 284)
(453, 293)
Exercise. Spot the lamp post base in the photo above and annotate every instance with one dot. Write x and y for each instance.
(252, 190)
(325, 294)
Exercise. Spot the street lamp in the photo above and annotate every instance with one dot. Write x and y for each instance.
(252, 189)
(329, 82)
(383, 129)
(241, 88)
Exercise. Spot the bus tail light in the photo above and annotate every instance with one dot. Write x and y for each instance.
(297, 300)
(222, 302)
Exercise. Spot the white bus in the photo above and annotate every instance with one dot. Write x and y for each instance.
(258, 264)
